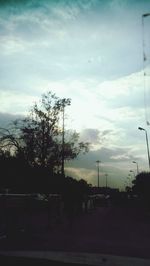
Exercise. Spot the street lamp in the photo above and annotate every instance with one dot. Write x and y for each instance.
(136, 166)
(106, 175)
(98, 163)
(140, 128)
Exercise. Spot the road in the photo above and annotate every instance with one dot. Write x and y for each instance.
(111, 230)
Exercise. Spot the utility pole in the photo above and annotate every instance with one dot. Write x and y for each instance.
(141, 128)
(98, 163)
(65, 102)
(63, 139)
(106, 175)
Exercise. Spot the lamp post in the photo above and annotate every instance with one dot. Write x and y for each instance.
(137, 167)
(63, 139)
(98, 163)
(140, 128)
(65, 102)
(106, 175)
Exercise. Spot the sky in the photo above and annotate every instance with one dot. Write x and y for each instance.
(92, 52)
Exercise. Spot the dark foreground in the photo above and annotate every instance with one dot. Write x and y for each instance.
(121, 231)
(17, 261)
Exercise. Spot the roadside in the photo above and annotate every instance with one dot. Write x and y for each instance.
(119, 231)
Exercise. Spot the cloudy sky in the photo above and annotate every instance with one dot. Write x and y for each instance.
(92, 52)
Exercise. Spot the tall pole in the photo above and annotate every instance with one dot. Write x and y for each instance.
(106, 175)
(63, 140)
(65, 102)
(98, 162)
(145, 63)
(147, 148)
(140, 128)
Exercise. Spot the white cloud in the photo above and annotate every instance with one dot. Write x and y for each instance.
(81, 173)
(11, 45)
(116, 177)
(93, 104)
(16, 103)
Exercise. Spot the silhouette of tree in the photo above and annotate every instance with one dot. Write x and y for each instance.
(13, 172)
(36, 140)
(141, 186)
(74, 193)
(128, 189)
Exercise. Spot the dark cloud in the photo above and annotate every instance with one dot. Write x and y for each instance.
(94, 136)
(6, 119)
(90, 135)
(116, 162)
(105, 155)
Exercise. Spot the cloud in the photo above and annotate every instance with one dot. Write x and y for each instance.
(116, 162)
(6, 119)
(124, 91)
(115, 176)
(16, 103)
(103, 108)
(49, 35)
(81, 173)
(120, 158)
(95, 137)
(90, 135)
